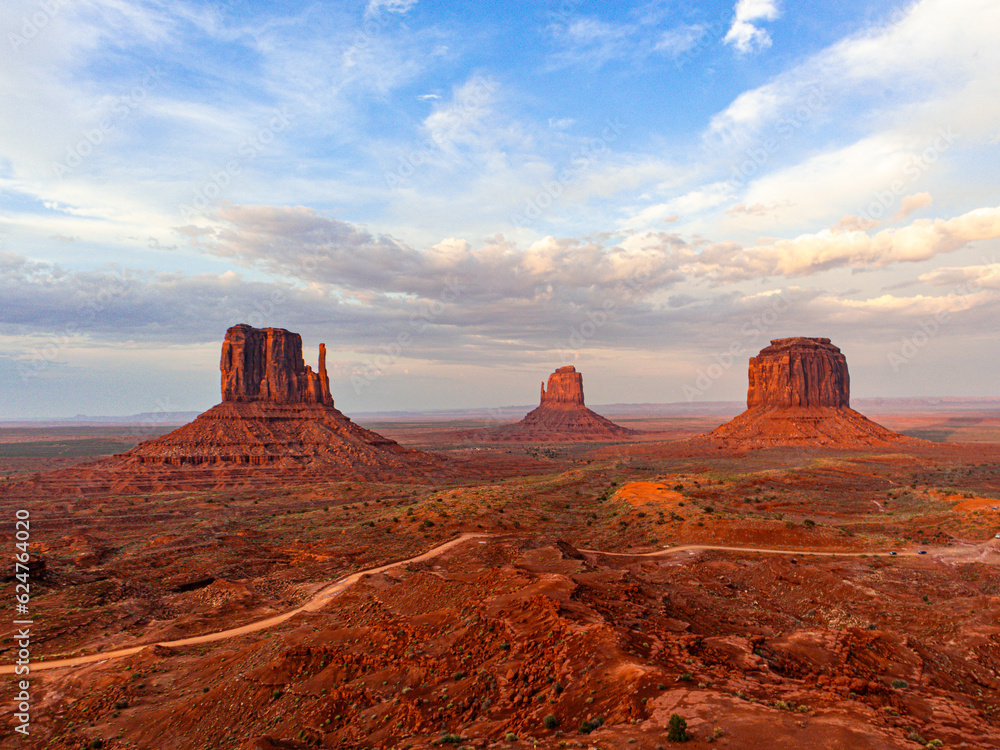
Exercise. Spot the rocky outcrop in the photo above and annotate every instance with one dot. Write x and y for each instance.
(565, 387)
(266, 365)
(799, 394)
(799, 372)
(276, 423)
(561, 416)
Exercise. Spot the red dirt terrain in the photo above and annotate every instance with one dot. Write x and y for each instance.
(478, 646)
(272, 576)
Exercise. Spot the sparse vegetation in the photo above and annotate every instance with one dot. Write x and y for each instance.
(677, 729)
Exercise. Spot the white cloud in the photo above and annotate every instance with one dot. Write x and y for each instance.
(984, 276)
(811, 253)
(593, 42)
(460, 120)
(680, 39)
(911, 203)
(932, 53)
(743, 34)
(389, 6)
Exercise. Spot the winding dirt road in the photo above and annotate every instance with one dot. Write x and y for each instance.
(330, 590)
(316, 601)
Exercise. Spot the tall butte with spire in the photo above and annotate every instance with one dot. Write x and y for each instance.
(799, 393)
(267, 365)
(276, 419)
(561, 416)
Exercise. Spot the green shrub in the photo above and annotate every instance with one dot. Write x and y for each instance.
(677, 729)
(550, 722)
(900, 684)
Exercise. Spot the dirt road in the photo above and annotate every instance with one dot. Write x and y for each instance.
(330, 590)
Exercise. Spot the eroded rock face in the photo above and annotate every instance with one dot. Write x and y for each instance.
(276, 421)
(565, 387)
(799, 371)
(560, 416)
(265, 364)
(800, 394)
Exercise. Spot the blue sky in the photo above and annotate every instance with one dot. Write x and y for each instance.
(457, 199)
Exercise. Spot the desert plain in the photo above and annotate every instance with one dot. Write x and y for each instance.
(789, 597)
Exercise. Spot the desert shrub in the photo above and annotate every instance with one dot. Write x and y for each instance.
(550, 721)
(510, 737)
(900, 684)
(677, 729)
(121, 704)
(686, 677)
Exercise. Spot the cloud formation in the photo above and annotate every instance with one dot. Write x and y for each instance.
(744, 35)
(389, 6)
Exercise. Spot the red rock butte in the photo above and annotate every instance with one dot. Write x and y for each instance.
(267, 365)
(561, 416)
(276, 419)
(800, 394)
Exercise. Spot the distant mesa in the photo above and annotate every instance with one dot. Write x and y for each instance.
(561, 416)
(276, 416)
(800, 394)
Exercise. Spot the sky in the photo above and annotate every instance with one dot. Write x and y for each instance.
(459, 197)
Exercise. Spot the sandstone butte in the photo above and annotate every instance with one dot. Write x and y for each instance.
(561, 416)
(799, 393)
(276, 415)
